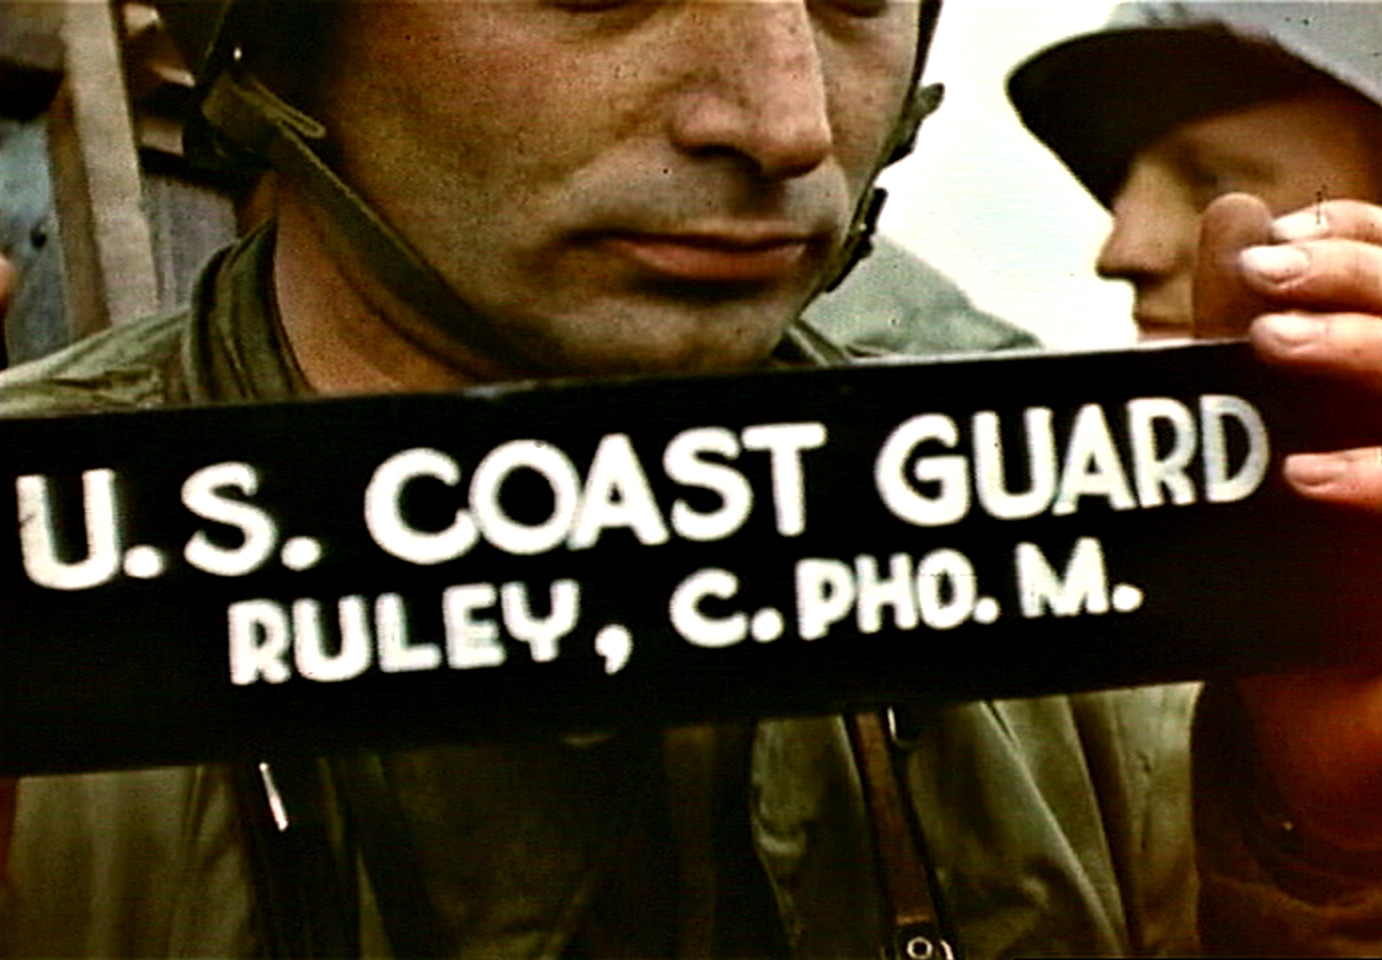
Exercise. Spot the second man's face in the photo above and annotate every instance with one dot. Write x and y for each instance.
(1291, 153)
(621, 185)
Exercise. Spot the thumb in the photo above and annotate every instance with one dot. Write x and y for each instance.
(7, 282)
(1225, 305)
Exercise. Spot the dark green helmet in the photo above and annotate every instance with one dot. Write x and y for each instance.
(216, 35)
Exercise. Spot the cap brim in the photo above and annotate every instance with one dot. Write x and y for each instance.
(1097, 99)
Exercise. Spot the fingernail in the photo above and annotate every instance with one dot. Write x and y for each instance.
(1275, 264)
(1302, 225)
(1314, 470)
(1291, 329)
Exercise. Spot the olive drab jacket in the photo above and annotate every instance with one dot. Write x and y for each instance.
(1056, 826)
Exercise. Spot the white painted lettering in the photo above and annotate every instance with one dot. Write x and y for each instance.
(499, 528)
(202, 493)
(1153, 471)
(396, 653)
(693, 624)
(1082, 588)
(617, 494)
(38, 533)
(541, 634)
(259, 642)
(947, 589)
(785, 443)
(989, 466)
(682, 461)
(1220, 484)
(384, 515)
(825, 594)
(471, 642)
(1092, 467)
(950, 473)
(874, 594)
(310, 652)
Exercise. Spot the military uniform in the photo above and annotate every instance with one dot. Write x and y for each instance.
(1058, 825)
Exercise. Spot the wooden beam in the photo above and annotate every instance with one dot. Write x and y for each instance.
(107, 252)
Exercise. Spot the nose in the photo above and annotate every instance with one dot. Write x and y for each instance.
(759, 88)
(1154, 232)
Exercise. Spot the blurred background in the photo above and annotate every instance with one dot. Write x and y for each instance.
(986, 203)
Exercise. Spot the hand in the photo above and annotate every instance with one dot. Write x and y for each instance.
(1225, 304)
(1315, 290)
(7, 285)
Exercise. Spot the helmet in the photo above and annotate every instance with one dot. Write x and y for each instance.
(213, 36)
(1097, 99)
(238, 121)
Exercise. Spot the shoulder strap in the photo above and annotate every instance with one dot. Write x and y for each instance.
(306, 899)
(912, 907)
(254, 118)
(411, 922)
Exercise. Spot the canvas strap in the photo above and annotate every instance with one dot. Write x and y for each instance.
(259, 122)
(911, 906)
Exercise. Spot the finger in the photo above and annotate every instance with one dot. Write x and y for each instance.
(7, 284)
(1329, 274)
(1340, 219)
(1349, 478)
(1345, 345)
(1225, 303)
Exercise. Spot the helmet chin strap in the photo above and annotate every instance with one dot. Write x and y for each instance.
(254, 119)
(921, 103)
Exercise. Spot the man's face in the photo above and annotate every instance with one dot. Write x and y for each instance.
(1288, 152)
(621, 184)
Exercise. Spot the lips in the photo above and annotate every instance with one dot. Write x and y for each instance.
(714, 258)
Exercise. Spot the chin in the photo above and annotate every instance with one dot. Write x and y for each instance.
(652, 340)
(686, 360)
(1151, 330)
(613, 359)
